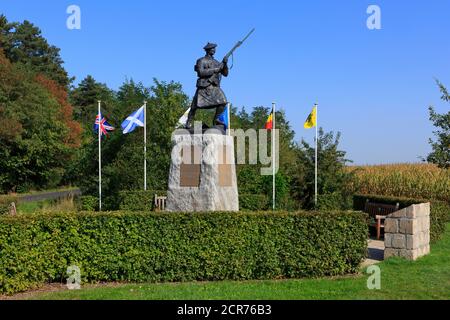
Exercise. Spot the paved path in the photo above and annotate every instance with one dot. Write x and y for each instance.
(376, 252)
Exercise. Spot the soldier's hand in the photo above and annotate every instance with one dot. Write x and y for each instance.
(225, 60)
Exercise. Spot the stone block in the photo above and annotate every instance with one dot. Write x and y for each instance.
(413, 241)
(399, 241)
(411, 212)
(422, 210)
(398, 214)
(388, 240)
(426, 238)
(409, 254)
(391, 225)
(408, 226)
(390, 252)
(425, 223)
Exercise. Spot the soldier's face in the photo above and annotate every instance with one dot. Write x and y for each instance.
(212, 51)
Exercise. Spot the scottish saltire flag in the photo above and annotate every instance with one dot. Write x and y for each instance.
(136, 119)
(183, 119)
(223, 117)
(103, 124)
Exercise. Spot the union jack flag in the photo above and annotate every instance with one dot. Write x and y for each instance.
(104, 125)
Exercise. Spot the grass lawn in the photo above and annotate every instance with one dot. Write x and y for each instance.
(426, 278)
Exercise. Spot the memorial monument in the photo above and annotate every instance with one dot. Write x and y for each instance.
(202, 174)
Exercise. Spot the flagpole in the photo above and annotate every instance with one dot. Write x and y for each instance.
(145, 145)
(273, 155)
(99, 159)
(229, 119)
(315, 170)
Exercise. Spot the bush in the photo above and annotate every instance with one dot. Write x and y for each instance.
(254, 202)
(332, 201)
(87, 203)
(138, 200)
(439, 214)
(143, 247)
(143, 201)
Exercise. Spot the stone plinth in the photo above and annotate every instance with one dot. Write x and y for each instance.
(407, 232)
(202, 174)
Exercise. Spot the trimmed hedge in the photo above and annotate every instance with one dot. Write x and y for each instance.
(143, 201)
(138, 200)
(148, 247)
(254, 202)
(439, 214)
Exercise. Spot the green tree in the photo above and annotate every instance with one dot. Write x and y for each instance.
(122, 155)
(332, 181)
(441, 146)
(35, 139)
(84, 98)
(23, 43)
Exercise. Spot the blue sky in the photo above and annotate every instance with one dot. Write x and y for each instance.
(374, 86)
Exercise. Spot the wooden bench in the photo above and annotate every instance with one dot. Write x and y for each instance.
(160, 203)
(378, 212)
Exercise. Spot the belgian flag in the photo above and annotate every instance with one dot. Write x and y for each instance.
(269, 122)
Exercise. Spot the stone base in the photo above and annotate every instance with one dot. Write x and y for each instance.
(407, 232)
(202, 174)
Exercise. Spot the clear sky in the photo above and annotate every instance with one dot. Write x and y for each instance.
(374, 86)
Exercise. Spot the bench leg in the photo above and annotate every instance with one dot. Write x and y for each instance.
(378, 229)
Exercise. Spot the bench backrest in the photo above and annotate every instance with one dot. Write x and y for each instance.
(160, 203)
(380, 209)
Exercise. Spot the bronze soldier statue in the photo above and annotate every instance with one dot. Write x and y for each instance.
(209, 95)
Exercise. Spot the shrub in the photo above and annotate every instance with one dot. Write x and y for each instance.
(87, 203)
(147, 247)
(138, 200)
(439, 214)
(143, 201)
(254, 202)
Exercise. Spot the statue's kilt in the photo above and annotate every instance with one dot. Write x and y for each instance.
(209, 97)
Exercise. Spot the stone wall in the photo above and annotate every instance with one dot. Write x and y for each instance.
(407, 232)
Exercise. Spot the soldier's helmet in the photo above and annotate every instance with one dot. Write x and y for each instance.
(209, 45)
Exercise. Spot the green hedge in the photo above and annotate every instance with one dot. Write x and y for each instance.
(439, 214)
(147, 247)
(143, 201)
(254, 202)
(138, 200)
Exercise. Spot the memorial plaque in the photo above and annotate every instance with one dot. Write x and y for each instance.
(190, 167)
(225, 162)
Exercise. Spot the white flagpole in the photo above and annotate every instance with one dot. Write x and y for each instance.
(145, 145)
(273, 156)
(229, 119)
(99, 159)
(315, 171)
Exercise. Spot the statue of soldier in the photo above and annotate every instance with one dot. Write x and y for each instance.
(209, 95)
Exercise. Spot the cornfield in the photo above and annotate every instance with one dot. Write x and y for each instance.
(422, 181)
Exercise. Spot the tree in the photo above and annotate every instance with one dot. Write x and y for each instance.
(332, 180)
(441, 146)
(85, 98)
(36, 141)
(122, 155)
(23, 43)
